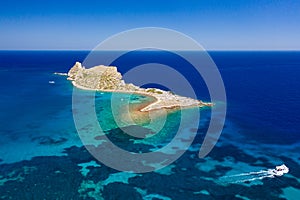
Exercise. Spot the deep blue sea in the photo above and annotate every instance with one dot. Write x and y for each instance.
(43, 157)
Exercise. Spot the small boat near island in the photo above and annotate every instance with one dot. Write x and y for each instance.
(279, 170)
(51, 82)
(248, 177)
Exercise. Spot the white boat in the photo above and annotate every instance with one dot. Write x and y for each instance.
(61, 74)
(52, 82)
(279, 170)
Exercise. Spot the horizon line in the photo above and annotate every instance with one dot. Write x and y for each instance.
(150, 50)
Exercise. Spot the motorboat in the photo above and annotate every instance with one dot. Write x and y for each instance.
(52, 82)
(279, 170)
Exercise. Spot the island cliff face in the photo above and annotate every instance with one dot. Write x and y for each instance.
(102, 78)
(107, 78)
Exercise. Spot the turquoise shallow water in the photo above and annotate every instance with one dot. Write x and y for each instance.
(43, 157)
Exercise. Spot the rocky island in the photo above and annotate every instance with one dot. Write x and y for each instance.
(108, 79)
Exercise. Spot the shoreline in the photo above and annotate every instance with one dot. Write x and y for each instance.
(108, 79)
(157, 99)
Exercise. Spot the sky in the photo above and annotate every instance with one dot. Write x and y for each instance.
(216, 25)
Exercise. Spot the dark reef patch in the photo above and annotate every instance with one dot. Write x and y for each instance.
(219, 153)
(59, 177)
(47, 140)
(122, 139)
(120, 191)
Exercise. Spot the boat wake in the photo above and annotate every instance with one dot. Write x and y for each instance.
(253, 176)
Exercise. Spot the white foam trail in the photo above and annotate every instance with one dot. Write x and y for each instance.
(252, 176)
(250, 173)
(253, 179)
(247, 177)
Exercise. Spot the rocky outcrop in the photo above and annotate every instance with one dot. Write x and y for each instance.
(73, 71)
(99, 78)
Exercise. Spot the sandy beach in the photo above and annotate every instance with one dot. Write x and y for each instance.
(162, 101)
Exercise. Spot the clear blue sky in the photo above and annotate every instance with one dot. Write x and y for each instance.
(223, 24)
